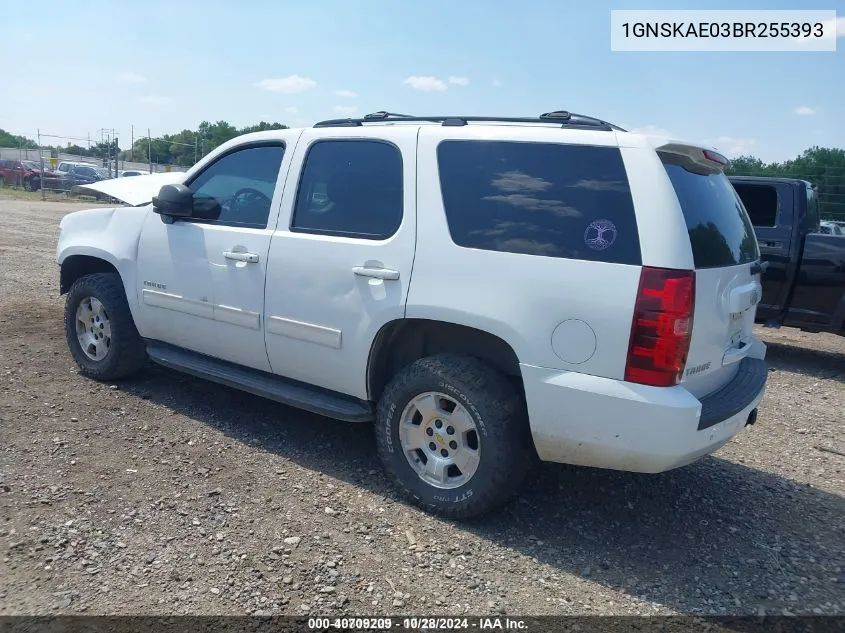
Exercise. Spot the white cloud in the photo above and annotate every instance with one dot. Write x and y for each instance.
(156, 100)
(287, 85)
(458, 81)
(131, 78)
(734, 146)
(651, 130)
(291, 110)
(346, 94)
(425, 84)
(805, 111)
(834, 28)
(347, 110)
(496, 83)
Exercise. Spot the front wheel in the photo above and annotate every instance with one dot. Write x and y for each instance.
(454, 435)
(99, 328)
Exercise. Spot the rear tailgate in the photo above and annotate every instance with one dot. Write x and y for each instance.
(727, 274)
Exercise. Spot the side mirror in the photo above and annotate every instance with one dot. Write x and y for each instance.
(174, 201)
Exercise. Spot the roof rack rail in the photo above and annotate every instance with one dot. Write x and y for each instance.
(562, 117)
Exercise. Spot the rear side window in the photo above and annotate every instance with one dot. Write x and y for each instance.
(760, 201)
(548, 199)
(720, 231)
(350, 188)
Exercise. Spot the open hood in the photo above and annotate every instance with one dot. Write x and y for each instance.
(135, 190)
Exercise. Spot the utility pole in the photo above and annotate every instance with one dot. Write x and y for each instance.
(132, 147)
(196, 147)
(41, 158)
(150, 149)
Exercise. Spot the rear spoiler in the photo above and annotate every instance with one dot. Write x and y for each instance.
(707, 160)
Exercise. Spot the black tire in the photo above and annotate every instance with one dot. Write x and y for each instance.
(126, 353)
(506, 450)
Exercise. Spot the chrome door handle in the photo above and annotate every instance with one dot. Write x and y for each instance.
(376, 273)
(241, 257)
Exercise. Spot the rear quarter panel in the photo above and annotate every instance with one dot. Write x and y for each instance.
(520, 298)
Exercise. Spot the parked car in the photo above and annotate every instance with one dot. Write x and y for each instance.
(485, 294)
(804, 283)
(830, 228)
(83, 174)
(19, 173)
(133, 172)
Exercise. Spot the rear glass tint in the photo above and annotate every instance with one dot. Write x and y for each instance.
(546, 199)
(720, 231)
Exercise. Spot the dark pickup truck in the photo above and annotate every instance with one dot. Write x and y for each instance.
(804, 278)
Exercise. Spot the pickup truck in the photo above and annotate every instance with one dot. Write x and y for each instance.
(804, 279)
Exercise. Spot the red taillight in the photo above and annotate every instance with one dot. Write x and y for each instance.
(715, 157)
(662, 327)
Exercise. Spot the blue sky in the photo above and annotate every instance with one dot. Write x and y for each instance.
(72, 68)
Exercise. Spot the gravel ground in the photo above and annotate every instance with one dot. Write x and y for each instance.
(169, 495)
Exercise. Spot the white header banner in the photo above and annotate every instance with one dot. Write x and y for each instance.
(728, 30)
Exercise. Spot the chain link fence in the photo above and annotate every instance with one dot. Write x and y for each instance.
(59, 174)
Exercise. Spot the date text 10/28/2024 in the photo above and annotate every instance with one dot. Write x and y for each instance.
(417, 624)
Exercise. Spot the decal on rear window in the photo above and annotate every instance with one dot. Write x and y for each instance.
(600, 234)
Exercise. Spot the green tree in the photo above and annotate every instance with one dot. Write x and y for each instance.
(822, 166)
(13, 140)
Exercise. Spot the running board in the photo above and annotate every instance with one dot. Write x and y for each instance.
(290, 392)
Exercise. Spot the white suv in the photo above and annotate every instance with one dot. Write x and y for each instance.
(485, 290)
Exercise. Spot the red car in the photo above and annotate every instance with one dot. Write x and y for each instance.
(20, 173)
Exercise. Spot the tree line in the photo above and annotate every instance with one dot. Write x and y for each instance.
(822, 166)
(182, 148)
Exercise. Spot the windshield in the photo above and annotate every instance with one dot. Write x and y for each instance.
(720, 231)
(31, 164)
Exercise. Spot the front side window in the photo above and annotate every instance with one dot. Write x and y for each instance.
(350, 188)
(544, 199)
(239, 186)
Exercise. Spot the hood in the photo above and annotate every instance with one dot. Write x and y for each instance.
(136, 190)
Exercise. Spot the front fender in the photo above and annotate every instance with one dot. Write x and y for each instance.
(111, 235)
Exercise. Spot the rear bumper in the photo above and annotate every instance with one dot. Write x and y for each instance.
(592, 421)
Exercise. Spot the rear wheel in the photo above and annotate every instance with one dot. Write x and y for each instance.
(99, 328)
(453, 434)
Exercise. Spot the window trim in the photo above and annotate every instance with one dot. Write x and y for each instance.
(233, 150)
(347, 234)
(639, 250)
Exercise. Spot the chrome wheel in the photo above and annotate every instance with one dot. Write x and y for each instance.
(93, 329)
(440, 440)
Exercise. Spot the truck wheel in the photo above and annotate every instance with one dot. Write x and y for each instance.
(99, 328)
(454, 435)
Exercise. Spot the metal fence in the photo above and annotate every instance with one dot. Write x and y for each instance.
(41, 169)
(830, 188)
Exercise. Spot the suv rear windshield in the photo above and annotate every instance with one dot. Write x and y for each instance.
(720, 231)
(547, 199)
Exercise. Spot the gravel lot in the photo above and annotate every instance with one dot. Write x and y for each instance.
(169, 495)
